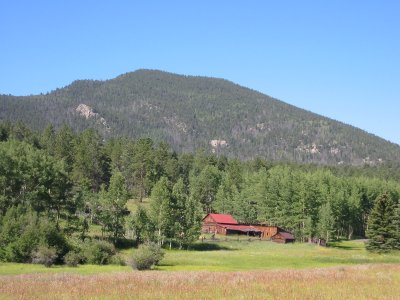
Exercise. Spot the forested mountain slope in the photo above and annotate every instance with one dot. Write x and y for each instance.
(191, 112)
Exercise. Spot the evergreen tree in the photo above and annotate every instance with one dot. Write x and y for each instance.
(64, 146)
(143, 167)
(91, 165)
(204, 187)
(48, 139)
(382, 231)
(226, 195)
(397, 225)
(252, 197)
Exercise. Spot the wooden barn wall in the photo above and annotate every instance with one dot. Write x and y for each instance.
(208, 228)
(267, 231)
(208, 225)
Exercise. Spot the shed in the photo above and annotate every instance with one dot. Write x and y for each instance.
(267, 231)
(283, 237)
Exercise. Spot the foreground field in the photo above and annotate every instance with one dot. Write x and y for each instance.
(353, 282)
(233, 269)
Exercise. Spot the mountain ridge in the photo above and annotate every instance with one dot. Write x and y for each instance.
(191, 112)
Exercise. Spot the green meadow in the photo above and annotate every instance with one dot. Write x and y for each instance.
(263, 255)
(235, 255)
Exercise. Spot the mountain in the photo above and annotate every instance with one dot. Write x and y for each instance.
(190, 112)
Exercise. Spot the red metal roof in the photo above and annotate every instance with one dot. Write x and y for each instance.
(243, 228)
(224, 219)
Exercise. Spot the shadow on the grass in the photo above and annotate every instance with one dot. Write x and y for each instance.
(344, 246)
(205, 246)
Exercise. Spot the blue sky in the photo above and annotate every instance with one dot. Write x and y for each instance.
(337, 58)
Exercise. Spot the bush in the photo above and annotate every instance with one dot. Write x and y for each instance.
(72, 259)
(22, 232)
(98, 252)
(147, 256)
(117, 260)
(45, 256)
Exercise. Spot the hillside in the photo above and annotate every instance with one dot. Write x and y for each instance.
(191, 112)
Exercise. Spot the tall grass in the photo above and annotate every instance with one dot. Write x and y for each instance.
(353, 282)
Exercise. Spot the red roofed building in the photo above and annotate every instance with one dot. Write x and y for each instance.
(226, 224)
(211, 221)
(220, 218)
(283, 237)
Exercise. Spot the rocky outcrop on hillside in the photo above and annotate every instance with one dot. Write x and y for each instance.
(88, 112)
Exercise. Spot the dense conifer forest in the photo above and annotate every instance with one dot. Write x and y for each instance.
(191, 112)
(58, 184)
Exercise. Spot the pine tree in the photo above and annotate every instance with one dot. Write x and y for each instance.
(91, 165)
(64, 146)
(382, 231)
(143, 166)
(225, 198)
(204, 186)
(397, 225)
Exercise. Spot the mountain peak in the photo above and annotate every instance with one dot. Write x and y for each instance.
(193, 112)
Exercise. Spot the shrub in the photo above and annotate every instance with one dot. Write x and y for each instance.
(98, 252)
(147, 256)
(44, 255)
(72, 259)
(117, 260)
(22, 232)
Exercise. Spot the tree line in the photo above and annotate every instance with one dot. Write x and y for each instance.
(58, 186)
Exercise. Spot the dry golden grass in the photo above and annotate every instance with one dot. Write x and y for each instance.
(355, 282)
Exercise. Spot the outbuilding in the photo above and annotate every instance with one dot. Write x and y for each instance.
(267, 231)
(283, 237)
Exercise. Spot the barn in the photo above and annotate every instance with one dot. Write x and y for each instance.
(212, 223)
(283, 237)
(226, 224)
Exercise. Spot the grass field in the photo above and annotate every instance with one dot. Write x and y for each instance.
(355, 282)
(227, 269)
(235, 255)
(261, 255)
